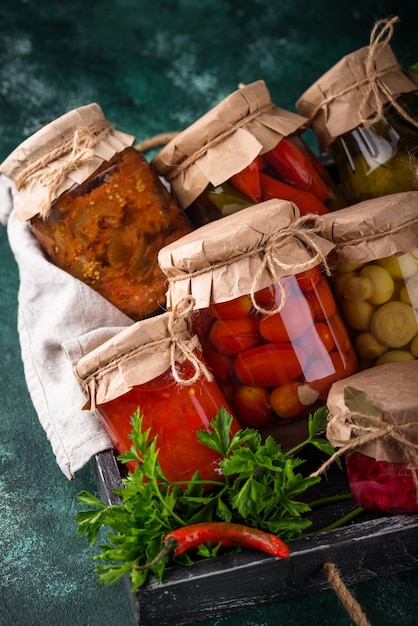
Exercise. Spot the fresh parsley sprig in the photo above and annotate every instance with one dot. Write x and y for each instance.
(259, 485)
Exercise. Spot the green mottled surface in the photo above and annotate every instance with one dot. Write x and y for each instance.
(153, 66)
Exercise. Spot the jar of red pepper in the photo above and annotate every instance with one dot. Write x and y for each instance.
(373, 421)
(97, 208)
(156, 366)
(364, 111)
(265, 315)
(244, 151)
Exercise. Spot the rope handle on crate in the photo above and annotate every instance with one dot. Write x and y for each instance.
(350, 604)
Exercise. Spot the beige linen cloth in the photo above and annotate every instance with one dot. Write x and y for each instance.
(59, 320)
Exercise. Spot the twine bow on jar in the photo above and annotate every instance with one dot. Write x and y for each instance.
(50, 170)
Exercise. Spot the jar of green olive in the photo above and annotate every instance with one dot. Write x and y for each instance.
(375, 279)
(364, 111)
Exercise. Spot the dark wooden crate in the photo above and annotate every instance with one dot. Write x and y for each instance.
(369, 547)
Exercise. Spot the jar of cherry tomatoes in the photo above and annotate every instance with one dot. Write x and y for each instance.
(97, 208)
(265, 315)
(155, 366)
(375, 280)
(244, 151)
(364, 112)
(373, 421)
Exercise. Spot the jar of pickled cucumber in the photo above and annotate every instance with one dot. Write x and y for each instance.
(375, 279)
(265, 315)
(97, 208)
(156, 367)
(364, 111)
(373, 422)
(244, 151)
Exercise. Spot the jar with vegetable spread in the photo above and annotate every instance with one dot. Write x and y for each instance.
(364, 112)
(156, 366)
(97, 208)
(244, 151)
(375, 280)
(373, 422)
(267, 320)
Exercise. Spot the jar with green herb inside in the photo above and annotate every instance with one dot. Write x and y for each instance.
(264, 312)
(97, 208)
(244, 151)
(364, 111)
(375, 279)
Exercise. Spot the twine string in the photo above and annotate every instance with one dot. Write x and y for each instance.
(269, 251)
(380, 36)
(368, 429)
(348, 601)
(79, 150)
(188, 161)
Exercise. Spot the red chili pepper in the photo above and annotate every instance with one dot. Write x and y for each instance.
(306, 201)
(226, 534)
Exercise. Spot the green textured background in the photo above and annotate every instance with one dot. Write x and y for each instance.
(153, 66)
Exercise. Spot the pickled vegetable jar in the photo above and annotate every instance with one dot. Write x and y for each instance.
(377, 431)
(265, 315)
(244, 151)
(375, 280)
(97, 208)
(134, 370)
(364, 111)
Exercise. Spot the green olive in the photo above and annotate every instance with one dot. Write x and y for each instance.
(382, 284)
(414, 346)
(399, 267)
(394, 324)
(368, 347)
(395, 356)
(358, 289)
(358, 314)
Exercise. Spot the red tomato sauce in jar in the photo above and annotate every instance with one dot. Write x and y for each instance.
(174, 413)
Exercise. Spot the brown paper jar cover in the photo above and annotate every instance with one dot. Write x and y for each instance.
(97, 208)
(24, 164)
(393, 389)
(155, 367)
(374, 228)
(342, 98)
(219, 261)
(375, 276)
(246, 123)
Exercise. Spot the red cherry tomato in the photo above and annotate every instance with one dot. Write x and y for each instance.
(238, 307)
(309, 279)
(233, 336)
(317, 341)
(321, 301)
(269, 365)
(252, 407)
(291, 322)
(221, 365)
(322, 373)
(285, 400)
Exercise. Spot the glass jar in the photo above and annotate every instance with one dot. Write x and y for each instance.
(373, 421)
(176, 400)
(242, 152)
(364, 111)
(375, 279)
(381, 486)
(98, 209)
(273, 338)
